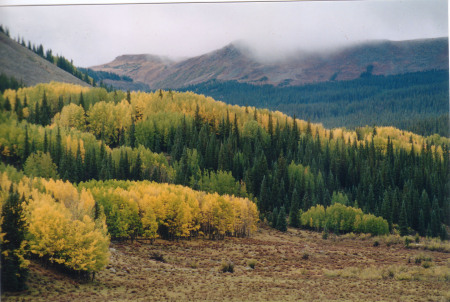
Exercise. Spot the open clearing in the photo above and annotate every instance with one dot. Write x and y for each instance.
(293, 266)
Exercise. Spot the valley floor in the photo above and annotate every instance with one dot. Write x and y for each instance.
(293, 266)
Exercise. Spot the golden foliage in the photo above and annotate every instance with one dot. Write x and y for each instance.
(62, 227)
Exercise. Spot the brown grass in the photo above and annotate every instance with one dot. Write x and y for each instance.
(336, 269)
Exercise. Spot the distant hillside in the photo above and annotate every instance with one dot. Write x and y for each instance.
(28, 67)
(416, 102)
(236, 63)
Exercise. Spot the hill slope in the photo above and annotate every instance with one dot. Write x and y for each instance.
(23, 64)
(235, 62)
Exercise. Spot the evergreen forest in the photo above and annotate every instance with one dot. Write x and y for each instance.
(416, 102)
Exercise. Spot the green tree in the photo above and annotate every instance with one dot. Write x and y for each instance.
(40, 165)
(136, 172)
(14, 272)
(281, 221)
(132, 135)
(45, 114)
(294, 219)
(26, 145)
(403, 220)
(7, 105)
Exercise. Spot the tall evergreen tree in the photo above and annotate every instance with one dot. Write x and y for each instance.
(13, 273)
(45, 118)
(37, 113)
(132, 135)
(136, 173)
(26, 145)
(403, 220)
(45, 145)
(82, 102)
(18, 108)
(264, 196)
(281, 221)
(422, 228)
(294, 220)
(128, 97)
(7, 105)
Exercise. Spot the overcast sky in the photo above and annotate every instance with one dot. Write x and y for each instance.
(92, 35)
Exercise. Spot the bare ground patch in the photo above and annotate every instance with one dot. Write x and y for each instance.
(292, 266)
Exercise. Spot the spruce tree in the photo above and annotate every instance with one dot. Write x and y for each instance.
(45, 145)
(128, 97)
(264, 196)
(422, 229)
(37, 113)
(132, 135)
(18, 108)
(281, 221)
(136, 173)
(294, 219)
(403, 220)
(60, 104)
(7, 105)
(45, 114)
(13, 273)
(82, 103)
(26, 145)
(274, 217)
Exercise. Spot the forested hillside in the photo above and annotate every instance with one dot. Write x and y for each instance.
(416, 102)
(82, 166)
(187, 139)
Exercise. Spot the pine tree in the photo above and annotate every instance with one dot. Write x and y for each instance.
(132, 135)
(281, 221)
(26, 145)
(128, 96)
(274, 219)
(294, 219)
(45, 146)
(121, 137)
(422, 229)
(136, 173)
(60, 104)
(435, 225)
(82, 103)
(45, 114)
(58, 153)
(403, 220)
(37, 113)
(18, 108)
(7, 105)
(264, 196)
(13, 272)
(79, 171)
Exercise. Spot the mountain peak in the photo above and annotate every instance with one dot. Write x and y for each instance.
(236, 62)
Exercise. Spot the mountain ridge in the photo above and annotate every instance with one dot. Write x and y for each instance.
(28, 67)
(235, 62)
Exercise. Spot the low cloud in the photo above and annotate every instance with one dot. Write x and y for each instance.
(92, 35)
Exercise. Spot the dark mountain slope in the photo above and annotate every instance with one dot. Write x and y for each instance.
(31, 69)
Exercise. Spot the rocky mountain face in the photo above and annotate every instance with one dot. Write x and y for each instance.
(236, 63)
(28, 67)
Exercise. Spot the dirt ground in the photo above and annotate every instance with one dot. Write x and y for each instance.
(293, 266)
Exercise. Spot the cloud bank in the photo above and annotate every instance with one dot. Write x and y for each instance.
(92, 35)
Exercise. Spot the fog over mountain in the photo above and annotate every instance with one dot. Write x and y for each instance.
(96, 34)
(236, 62)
